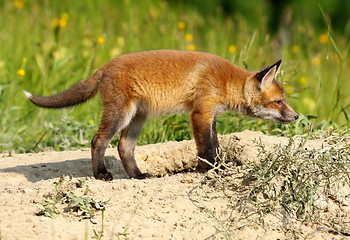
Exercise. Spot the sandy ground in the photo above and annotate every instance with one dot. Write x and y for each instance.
(158, 208)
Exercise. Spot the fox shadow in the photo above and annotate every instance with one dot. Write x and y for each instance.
(76, 168)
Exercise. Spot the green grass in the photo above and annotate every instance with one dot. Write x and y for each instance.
(57, 43)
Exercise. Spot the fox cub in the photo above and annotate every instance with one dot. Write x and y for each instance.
(134, 86)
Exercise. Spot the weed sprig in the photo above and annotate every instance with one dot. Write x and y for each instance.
(85, 207)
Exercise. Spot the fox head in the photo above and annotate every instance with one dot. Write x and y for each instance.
(268, 100)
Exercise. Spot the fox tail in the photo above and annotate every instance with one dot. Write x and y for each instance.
(78, 93)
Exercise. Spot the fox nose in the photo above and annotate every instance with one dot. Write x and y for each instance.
(296, 116)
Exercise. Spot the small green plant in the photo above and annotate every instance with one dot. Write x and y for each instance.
(48, 209)
(124, 234)
(85, 207)
(99, 234)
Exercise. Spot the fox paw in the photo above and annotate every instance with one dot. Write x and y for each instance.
(143, 176)
(106, 176)
(203, 166)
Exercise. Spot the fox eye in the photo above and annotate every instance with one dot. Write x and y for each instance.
(279, 102)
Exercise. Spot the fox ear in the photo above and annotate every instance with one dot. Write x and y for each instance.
(266, 76)
(278, 64)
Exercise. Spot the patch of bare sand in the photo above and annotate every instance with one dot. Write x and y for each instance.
(157, 208)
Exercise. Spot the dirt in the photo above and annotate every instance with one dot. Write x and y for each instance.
(163, 207)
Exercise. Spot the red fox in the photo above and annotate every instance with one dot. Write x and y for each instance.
(136, 85)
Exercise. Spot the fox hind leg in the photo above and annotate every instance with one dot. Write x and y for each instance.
(113, 120)
(127, 145)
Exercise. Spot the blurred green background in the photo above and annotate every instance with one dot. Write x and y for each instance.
(48, 45)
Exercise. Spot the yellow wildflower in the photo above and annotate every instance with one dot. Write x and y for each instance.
(296, 49)
(189, 37)
(191, 47)
(324, 39)
(232, 49)
(315, 61)
(303, 80)
(60, 22)
(260, 122)
(18, 3)
(91, 121)
(181, 25)
(65, 16)
(21, 72)
(289, 90)
(101, 40)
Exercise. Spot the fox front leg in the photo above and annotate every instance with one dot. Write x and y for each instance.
(205, 137)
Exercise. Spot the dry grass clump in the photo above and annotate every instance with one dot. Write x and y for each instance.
(295, 186)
